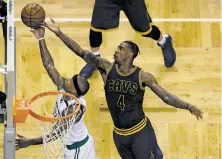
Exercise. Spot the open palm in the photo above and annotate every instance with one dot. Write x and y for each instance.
(21, 142)
(54, 27)
(195, 111)
(39, 33)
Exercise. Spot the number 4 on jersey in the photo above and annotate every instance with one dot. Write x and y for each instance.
(120, 102)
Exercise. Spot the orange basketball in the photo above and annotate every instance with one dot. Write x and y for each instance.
(33, 15)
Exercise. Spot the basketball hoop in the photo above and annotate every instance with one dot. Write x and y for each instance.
(55, 120)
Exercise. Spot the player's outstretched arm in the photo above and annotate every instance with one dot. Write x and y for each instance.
(59, 127)
(86, 55)
(47, 59)
(23, 142)
(48, 63)
(168, 98)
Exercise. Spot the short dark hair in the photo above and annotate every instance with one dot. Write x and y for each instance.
(81, 84)
(134, 48)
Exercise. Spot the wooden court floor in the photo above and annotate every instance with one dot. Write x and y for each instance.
(195, 78)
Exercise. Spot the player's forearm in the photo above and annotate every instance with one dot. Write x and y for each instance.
(39, 140)
(71, 44)
(36, 141)
(48, 63)
(174, 101)
(45, 55)
(89, 57)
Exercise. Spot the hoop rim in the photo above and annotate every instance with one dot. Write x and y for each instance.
(21, 105)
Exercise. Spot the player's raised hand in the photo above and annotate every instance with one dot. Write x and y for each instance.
(22, 142)
(54, 27)
(196, 111)
(39, 32)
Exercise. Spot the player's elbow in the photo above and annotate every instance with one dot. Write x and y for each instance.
(91, 59)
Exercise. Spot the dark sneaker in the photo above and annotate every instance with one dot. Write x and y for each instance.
(168, 52)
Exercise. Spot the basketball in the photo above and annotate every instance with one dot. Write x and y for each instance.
(33, 15)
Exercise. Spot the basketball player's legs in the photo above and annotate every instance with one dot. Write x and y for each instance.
(141, 145)
(105, 17)
(122, 144)
(86, 151)
(140, 20)
(144, 145)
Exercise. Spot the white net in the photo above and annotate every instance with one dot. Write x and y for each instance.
(56, 134)
(3, 69)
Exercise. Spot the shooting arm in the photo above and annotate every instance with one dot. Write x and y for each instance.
(88, 56)
(168, 98)
(48, 63)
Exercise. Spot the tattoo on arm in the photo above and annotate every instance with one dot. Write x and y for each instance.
(167, 97)
(48, 63)
(88, 56)
(37, 141)
(71, 44)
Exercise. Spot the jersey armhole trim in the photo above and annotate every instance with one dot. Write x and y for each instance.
(107, 72)
(140, 80)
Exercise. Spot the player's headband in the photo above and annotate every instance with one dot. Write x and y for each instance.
(75, 82)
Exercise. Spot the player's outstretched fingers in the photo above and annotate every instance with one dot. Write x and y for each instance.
(45, 24)
(20, 136)
(52, 20)
(198, 114)
(32, 30)
(197, 117)
(17, 141)
(17, 147)
(201, 115)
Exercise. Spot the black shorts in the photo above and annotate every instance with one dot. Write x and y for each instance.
(106, 15)
(141, 145)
